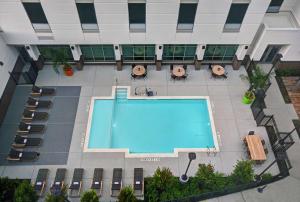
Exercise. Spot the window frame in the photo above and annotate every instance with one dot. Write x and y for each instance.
(274, 7)
(89, 24)
(134, 56)
(224, 56)
(173, 53)
(91, 48)
(185, 26)
(137, 26)
(232, 23)
(39, 25)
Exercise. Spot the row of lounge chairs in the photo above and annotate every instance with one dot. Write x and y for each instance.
(75, 187)
(26, 127)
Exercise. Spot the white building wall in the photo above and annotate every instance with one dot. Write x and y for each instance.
(112, 17)
(8, 55)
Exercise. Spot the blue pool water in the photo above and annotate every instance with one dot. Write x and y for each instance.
(150, 126)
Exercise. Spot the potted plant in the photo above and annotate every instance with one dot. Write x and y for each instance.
(248, 97)
(258, 80)
(59, 58)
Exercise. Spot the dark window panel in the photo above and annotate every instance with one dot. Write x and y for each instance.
(276, 3)
(236, 13)
(137, 13)
(187, 13)
(35, 13)
(86, 12)
(46, 50)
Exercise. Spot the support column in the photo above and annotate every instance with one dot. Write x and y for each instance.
(239, 56)
(199, 56)
(34, 53)
(78, 57)
(158, 56)
(119, 61)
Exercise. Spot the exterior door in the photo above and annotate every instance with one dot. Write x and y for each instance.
(270, 53)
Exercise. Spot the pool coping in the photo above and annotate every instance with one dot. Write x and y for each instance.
(149, 155)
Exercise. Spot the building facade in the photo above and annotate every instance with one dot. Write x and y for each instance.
(154, 31)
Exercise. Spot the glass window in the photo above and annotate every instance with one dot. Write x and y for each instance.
(46, 50)
(35, 13)
(86, 12)
(137, 16)
(87, 16)
(274, 6)
(138, 52)
(220, 52)
(235, 16)
(98, 53)
(179, 52)
(187, 12)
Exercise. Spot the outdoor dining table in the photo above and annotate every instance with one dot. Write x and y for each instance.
(218, 70)
(256, 148)
(178, 70)
(139, 70)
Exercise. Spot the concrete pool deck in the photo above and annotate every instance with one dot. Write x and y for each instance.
(233, 120)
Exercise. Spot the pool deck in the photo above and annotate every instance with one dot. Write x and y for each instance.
(232, 120)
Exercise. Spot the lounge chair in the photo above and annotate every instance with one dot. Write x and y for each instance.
(38, 104)
(25, 128)
(97, 183)
(40, 182)
(138, 182)
(19, 155)
(21, 142)
(116, 184)
(29, 116)
(76, 183)
(37, 91)
(59, 181)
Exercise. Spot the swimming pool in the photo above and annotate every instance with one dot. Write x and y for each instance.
(150, 125)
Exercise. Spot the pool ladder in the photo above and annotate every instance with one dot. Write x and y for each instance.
(121, 94)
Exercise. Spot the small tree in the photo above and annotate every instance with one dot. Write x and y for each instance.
(7, 188)
(25, 193)
(59, 58)
(127, 195)
(89, 196)
(243, 172)
(57, 198)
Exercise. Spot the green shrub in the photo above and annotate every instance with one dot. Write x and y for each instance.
(162, 186)
(25, 193)
(89, 196)
(287, 72)
(266, 176)
(243, 172)
(127, 195)
(57, 198)
(7, 188)
(209, 180)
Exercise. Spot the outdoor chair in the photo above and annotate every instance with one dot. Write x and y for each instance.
(97, 183)
(21, 142)
(25, 128)
(20, 155)
(116, 184)
(59, 181)
(266, 150)
(251, 133)
(37, 91)
(171, 67)
(34, 103)
(41, 181)
(138, 182)
(76, 183)
(29, 116)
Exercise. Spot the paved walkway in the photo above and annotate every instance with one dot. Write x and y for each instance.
(233, 120)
